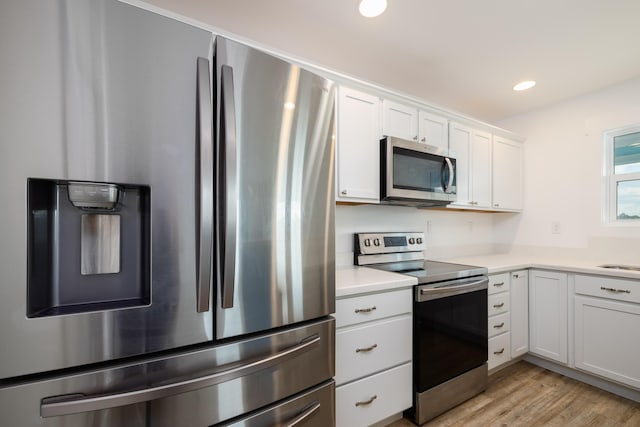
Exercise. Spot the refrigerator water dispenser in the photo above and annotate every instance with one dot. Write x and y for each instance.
(88, 247)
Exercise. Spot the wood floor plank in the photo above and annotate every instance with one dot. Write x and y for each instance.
(527, 395)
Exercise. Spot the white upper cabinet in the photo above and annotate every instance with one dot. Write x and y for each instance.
(472, 150)
(399, 120)
(403, 121)
(433, 130)
(507, 174)
(358, 147)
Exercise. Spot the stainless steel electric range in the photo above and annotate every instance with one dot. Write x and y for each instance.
(450, 336)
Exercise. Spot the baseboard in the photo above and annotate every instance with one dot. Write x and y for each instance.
(598, 382)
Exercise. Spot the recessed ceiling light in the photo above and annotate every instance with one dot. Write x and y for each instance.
(372, 8)
(528, 84)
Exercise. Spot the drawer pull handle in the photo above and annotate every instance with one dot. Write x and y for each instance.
(361, 350)
(625, 291)
(499, 326)
(498, 284)
(499, 352)
(365, 310)
(367, 402)
(498, 305)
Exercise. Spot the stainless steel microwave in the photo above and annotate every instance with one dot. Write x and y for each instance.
(416, 174)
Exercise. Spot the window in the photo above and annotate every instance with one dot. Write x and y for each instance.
(622, 171)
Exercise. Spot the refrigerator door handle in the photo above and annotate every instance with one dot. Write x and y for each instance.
(228, 186)
(204, 166)
(78, 403)
(306, 413)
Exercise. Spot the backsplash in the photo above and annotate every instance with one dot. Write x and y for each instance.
(448, 233)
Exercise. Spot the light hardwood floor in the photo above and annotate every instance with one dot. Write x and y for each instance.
(527, 395)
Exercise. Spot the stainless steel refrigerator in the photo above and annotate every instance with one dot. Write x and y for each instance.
(167, 243)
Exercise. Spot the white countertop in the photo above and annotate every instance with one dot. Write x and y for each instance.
(571, 263)
(354, 280)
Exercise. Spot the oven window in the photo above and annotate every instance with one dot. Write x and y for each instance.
(416, 171)
(450, 337)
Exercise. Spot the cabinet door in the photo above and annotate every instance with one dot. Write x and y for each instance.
(358, 147)
(519, 292)
(399, 120)
(507, 174)
(433, 130)
(607, 339)
(481, 169)
(460, 149)
(548, 315)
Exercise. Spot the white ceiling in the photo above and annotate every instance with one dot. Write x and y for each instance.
(465, 55)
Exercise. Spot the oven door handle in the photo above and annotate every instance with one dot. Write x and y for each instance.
(430, 293)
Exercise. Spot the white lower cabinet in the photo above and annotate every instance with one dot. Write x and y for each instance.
(365, 402)
(498, 326)
(508, 309)
(548, 315)
(365, 348)
(499, 350)
(607, 328)
(519, 312)
(373, 357)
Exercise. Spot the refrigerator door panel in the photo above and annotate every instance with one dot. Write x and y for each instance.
(102, 91)
(196, 388)
(314, 408)
(275, 236)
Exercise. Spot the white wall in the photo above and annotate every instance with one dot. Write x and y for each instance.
(563, 172)
(448, 233)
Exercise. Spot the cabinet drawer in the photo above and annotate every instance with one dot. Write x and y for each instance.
(351, 311)
(364, 350)
(608, 287)
(372, 399)
(499, 324)
(498, 303)
(499, 350)
(498, 283)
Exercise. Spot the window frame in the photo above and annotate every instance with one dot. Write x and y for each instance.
(611, 179)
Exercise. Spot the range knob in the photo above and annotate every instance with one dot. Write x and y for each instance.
(376, 242)
(411, 240)
(419, 240)
(367, 242)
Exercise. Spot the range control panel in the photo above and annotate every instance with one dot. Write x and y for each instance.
(384, 243)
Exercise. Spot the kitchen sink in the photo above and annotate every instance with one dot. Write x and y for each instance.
(620, 267)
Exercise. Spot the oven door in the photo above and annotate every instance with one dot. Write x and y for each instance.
(450, 330)
(414, 171)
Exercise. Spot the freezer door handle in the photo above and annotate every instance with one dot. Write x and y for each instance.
(204, 168)
(304, 415)
(77, 403)
(228, 187)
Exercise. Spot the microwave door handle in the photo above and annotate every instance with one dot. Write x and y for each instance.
(204, 180)
(228, 187)
(447, 187)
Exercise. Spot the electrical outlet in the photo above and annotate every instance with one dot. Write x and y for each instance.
(555, 228)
